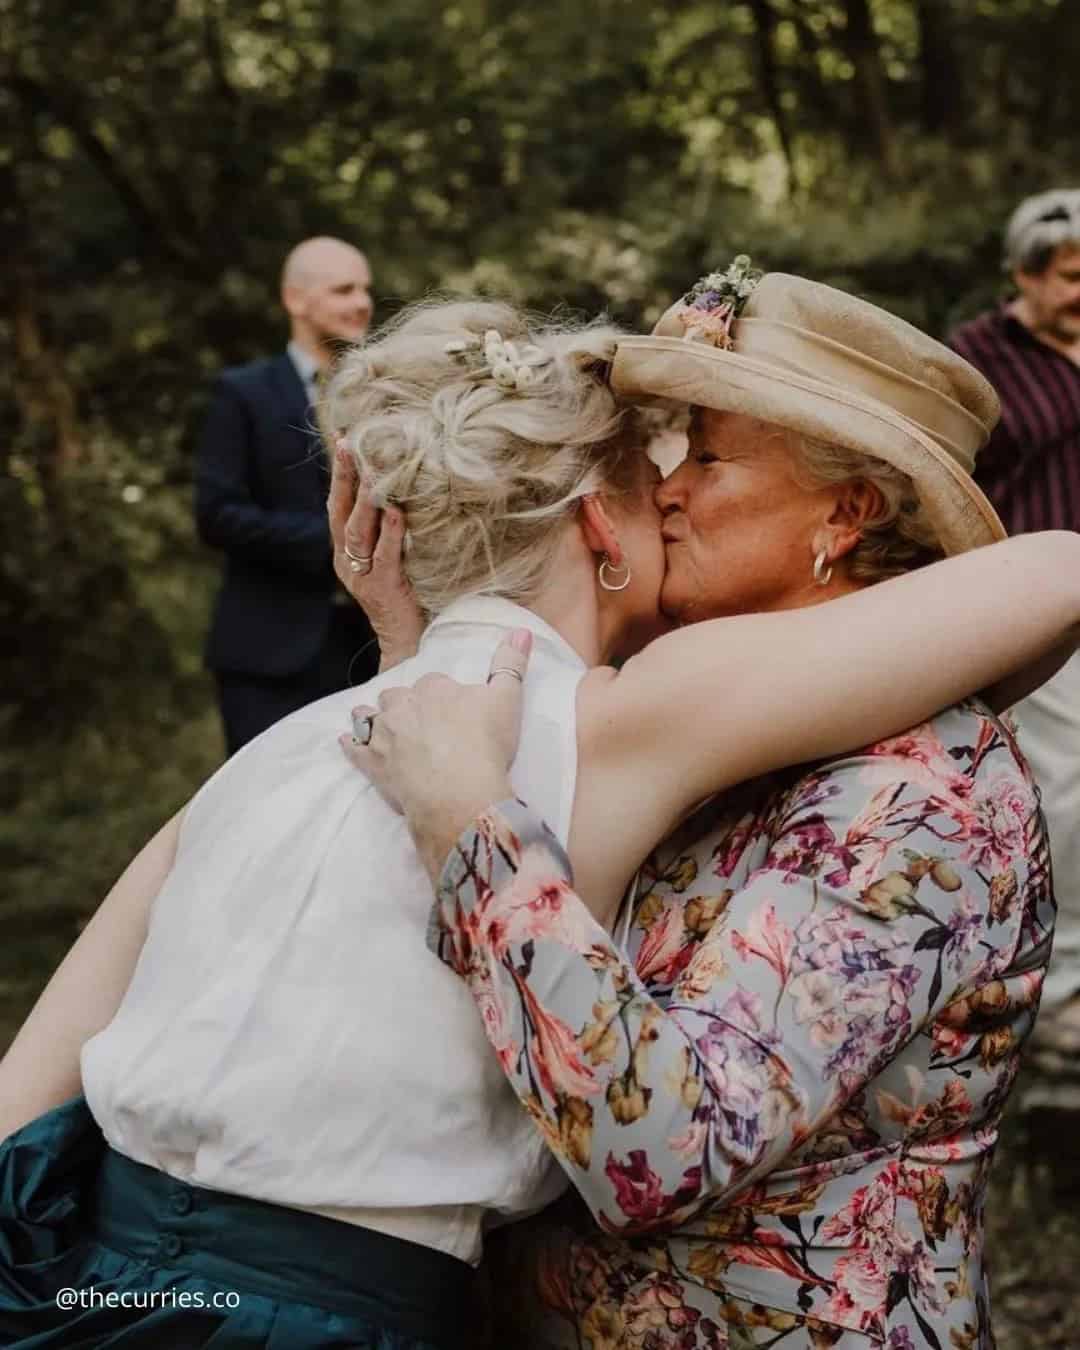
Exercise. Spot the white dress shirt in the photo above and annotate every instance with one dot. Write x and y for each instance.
(307, 368)
(287, 1035)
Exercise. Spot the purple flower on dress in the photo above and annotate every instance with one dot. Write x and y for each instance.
(804, 848)
(966, 925)
(736, 1068)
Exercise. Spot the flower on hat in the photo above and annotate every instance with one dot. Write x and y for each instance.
(711, 306)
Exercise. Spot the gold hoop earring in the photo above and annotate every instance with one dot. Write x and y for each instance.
(608, 566)
(822, 574)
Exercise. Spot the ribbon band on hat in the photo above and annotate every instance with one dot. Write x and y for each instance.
(820, 358)
(833, 367)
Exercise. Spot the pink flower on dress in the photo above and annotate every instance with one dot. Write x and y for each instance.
(1003, 808)
(537, 903)
(802, 848)
(639, 1191)
(767, 938)
(493, 1015)
(691, 1142)
(867, 1218)
(770, 1252)
(701, 975)
(726, 855)
(556, 1053)
(922, 748)
(862, 1286)
(871, 856)
(917, 1261)
(949, 1042)
(664, 951)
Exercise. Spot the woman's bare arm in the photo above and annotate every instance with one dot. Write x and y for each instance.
(41, 1068)
(725, 700)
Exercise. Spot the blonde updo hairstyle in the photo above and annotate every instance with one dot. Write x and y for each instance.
(485, 475)
(900, 537)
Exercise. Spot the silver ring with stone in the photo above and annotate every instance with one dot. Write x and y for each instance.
(363, 728)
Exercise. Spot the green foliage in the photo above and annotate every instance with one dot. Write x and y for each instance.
(73, 815)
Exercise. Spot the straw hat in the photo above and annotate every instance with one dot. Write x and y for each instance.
(834, 367)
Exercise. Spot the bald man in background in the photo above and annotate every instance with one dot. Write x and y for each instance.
(284, 633)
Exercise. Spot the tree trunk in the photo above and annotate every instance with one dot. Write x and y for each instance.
(764, 35)
(861, 46)
(42, 389)
(1054, 113)
(942, 83)
(43, 393)
(156, 226)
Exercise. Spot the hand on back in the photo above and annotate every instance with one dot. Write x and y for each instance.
(440, 752)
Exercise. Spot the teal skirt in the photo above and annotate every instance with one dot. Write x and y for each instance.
(97, 1250)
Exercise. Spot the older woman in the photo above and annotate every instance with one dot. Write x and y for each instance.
(777, 1088)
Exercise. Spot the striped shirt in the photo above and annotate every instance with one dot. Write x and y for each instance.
(1031, 468)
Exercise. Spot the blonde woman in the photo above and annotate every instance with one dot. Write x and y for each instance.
(294, 1130)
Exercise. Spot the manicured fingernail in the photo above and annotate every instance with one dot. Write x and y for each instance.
(521, 640)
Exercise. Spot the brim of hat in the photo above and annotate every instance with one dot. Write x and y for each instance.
(701, 374)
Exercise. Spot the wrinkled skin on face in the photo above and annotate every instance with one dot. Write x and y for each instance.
(739, 529)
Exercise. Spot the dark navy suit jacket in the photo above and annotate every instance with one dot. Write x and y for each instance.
(261, 484)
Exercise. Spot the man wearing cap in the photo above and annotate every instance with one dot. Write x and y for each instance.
(1029, 349)
(284, 633)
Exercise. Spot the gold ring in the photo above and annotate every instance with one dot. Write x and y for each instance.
(356, 563)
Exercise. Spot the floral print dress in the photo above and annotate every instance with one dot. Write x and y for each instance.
(779, 1097)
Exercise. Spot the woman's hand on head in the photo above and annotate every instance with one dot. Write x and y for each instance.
(440, 752)
(377, 583)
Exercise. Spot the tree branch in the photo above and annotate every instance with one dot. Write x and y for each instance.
(44, 100)
(214, 48)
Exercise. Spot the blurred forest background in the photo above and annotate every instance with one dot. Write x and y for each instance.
(158, 159)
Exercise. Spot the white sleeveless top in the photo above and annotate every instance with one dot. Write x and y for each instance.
(287, 1034)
